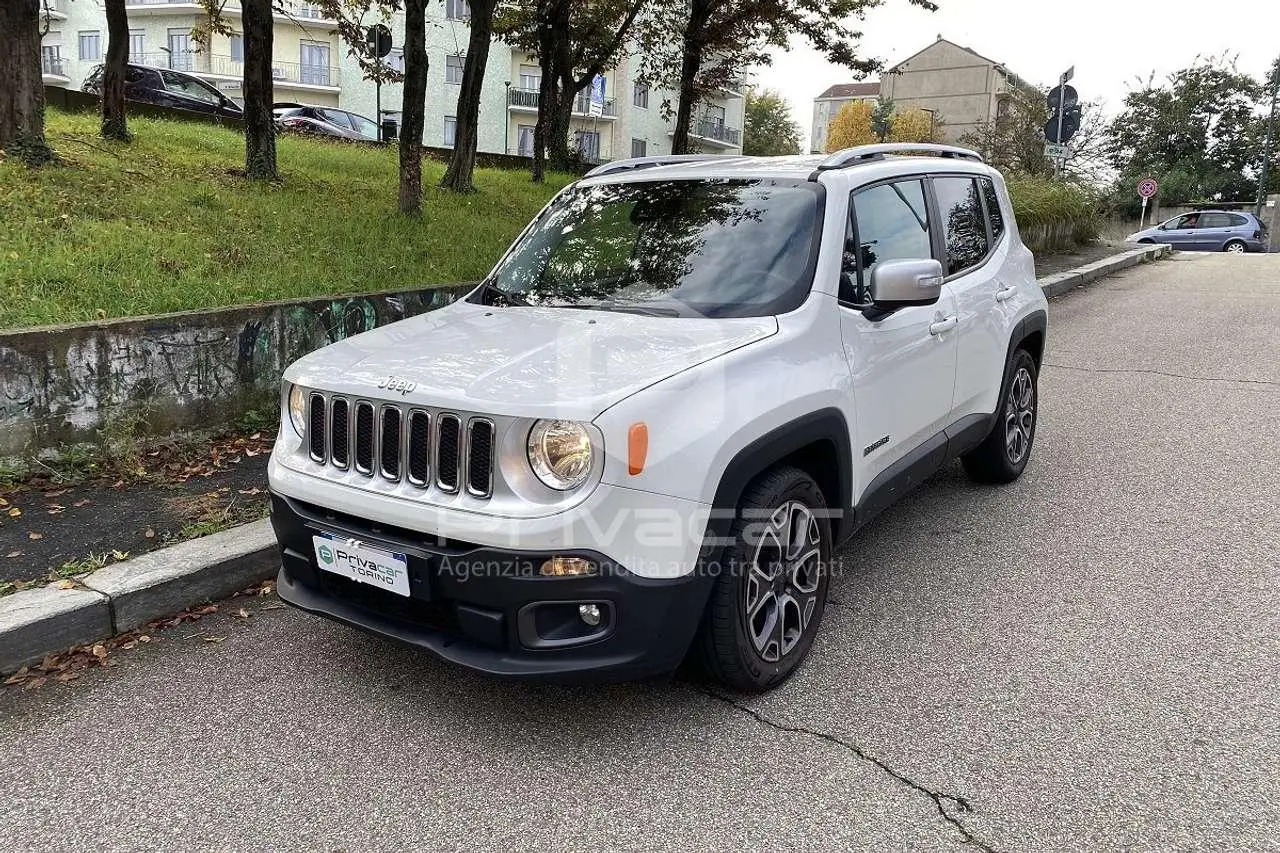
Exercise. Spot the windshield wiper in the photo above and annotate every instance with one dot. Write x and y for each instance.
(625, 308)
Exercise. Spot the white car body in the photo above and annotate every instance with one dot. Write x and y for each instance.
(710, 391)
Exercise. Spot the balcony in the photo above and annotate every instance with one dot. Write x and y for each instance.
(716, 132)
(53, 71)
(282, 12)
(526, 100)
(285, 75)
(138, 8)
(55, 9)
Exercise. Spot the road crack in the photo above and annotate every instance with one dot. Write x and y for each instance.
(1167, 374)
(941, 800)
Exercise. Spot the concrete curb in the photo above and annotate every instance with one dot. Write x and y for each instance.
(131, 593)
(126, 595)
(1059, 283)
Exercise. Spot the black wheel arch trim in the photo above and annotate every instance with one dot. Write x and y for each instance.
(1036, 321)
(824, 425)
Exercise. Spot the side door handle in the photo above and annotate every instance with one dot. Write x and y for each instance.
(944, 325)
(1005, 293)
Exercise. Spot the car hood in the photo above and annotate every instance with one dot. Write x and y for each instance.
(522, 361)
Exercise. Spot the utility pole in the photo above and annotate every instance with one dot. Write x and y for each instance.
(1266, 149)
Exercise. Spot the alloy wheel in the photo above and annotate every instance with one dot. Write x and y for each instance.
(1019, 415)
(1235, 248)
(781, 590)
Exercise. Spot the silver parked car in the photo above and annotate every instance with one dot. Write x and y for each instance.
(1208, 231)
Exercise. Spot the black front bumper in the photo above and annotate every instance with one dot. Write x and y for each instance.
(489, 609)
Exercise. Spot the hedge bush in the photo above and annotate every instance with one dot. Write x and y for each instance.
(1053, 215)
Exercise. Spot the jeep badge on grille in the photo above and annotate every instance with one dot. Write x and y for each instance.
(395, 383)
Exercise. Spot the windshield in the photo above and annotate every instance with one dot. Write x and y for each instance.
(716, 248)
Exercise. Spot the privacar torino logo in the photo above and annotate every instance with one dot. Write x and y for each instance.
(395, 383)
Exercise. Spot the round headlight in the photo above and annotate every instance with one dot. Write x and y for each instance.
(560, 453)
(298, 408)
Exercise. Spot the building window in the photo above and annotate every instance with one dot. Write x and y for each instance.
(450, 131)
(90, 45)
(453, 69)
(715, 115)
(640, 97)
(530, 78)
(457, 10)
(314, 64)
(588, 144)
(137, 43)
(524, 140)
(639, 148)
(237, 47)
(180, 49)
(51, 59)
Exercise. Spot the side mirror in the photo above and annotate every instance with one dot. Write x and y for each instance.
(897, 284)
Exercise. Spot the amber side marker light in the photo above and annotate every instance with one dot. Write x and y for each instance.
(637, 448)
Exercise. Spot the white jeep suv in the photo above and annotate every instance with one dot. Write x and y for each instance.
(646, 432)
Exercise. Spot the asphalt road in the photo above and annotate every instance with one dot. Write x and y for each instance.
(1086, 660)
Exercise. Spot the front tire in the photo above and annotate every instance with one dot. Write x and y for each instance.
(1003, 454)
(1235, 247)
(768, 600)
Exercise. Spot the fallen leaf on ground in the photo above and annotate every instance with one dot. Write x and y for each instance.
(214, 639)
(55, 510)
(144, 639)
(99, 651)
(66, 584)
(14, 512)
(34, 683)
(33, 536)
(57, 493)
(208, 608)
(84, 502)
(3, 502)
(13, 554)
(242, 613)
(117, 484)
(18, 676)
(69, 675)
(150, 534)
(120, 555)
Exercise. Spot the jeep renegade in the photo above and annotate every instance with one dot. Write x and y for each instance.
(646, 432)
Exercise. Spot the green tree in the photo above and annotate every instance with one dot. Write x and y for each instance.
(1199, 130)
(574, 40)
(701, 46)
(769, 130)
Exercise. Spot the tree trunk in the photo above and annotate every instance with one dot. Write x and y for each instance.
(414, 105)
(466, 137)
(689, 68)
(547, 89)
(259, 123)
(559, 154)
(21, 83)
(114, 125)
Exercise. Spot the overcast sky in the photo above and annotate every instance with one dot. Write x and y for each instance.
(1110, 42)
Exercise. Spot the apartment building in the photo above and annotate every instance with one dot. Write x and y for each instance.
(964, 89)
(311, 65)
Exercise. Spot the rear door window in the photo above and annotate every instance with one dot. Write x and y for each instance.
(994, 215)
(962, 222)
(1215, 220)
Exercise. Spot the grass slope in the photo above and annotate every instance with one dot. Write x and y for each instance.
(163, 224)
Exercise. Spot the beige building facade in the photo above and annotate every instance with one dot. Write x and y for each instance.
(960, 87)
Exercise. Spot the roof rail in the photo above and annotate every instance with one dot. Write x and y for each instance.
(648, 162)
(867, 153)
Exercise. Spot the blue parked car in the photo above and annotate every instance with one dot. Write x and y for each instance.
(1208, 231)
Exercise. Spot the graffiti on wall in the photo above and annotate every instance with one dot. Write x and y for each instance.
(56, 384)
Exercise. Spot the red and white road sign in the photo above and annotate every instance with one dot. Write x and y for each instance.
(1148, 188)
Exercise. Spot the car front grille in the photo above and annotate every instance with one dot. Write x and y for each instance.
(425, 449)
